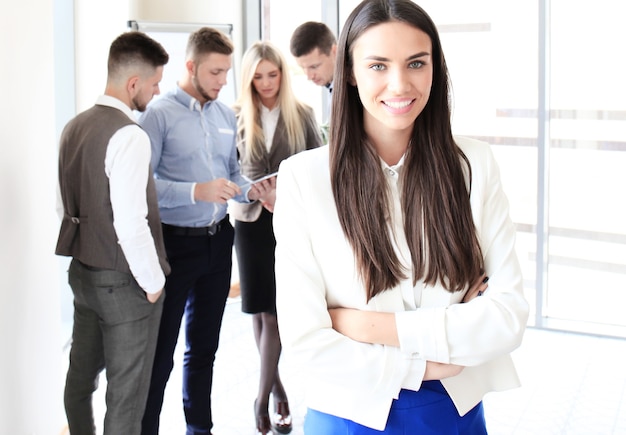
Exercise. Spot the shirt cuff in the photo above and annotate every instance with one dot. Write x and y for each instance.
(156, 285)
(192, 193)
(422, 333)
(246, 193)
(415, 375)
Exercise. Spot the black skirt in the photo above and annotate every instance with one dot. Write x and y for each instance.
(255, 245)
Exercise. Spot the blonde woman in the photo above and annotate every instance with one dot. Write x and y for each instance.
(271, 126)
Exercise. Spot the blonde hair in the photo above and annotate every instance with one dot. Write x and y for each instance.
(292, 111)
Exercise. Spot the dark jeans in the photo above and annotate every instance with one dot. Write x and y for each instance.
(197, 287)
(115, 328)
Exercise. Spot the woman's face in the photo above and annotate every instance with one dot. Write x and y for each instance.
(266, 82)
(393, 72)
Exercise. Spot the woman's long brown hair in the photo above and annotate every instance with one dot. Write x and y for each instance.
(435, 194)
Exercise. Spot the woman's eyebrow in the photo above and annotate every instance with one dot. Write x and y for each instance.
(384, 59)
(418, 55)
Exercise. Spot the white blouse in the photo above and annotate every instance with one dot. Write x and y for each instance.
(269, 120)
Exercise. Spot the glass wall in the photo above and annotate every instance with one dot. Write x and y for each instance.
(491, 49)
(587, 209)
(510, 63)
(284, 17)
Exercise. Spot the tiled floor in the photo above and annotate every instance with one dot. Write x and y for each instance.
(572, 384)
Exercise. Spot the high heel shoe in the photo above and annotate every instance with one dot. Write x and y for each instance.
(282, 418)
(263, 424)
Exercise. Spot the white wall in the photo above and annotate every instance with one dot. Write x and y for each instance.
(193, 11)
(99, 22)
(30, 374)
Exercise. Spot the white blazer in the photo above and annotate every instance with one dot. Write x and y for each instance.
(315, 270)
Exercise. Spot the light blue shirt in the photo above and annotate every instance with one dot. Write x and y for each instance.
(191, 144)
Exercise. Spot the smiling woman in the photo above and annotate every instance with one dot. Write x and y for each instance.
(393, 88)
(390, 232)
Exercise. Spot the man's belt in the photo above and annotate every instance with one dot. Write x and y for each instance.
(211, 230)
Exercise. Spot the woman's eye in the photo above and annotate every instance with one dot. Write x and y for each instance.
(416, 64)
(377, 67)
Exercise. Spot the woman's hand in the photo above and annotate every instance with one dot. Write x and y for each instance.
(477, 289)
(436, 371)
(262, 189)
(269, 200)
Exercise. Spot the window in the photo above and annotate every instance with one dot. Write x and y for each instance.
(285, 16)
(495, 54)
(492, 50)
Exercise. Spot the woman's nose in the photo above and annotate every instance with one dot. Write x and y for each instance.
(398, 80)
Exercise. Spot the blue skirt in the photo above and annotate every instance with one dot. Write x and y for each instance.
(429, 411)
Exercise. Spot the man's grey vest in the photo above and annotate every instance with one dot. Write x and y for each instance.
(87, 233)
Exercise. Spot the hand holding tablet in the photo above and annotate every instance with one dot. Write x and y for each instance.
(258, 180)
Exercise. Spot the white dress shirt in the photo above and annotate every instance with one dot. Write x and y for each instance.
(316, 270)
(127, 164)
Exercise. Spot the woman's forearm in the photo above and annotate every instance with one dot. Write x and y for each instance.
(380, 328)
(366, 326)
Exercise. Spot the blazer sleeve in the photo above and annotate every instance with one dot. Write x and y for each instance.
(303, 199)
(493, 324)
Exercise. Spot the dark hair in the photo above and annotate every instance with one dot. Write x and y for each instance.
(435, 201)
(309, 36)
(135, 49)
(207, 40)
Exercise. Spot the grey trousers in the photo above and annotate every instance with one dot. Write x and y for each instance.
(115, 329)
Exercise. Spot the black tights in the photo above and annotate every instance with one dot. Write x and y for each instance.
(267, 340)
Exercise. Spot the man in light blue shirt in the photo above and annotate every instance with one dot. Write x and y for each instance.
(192, 141)
(194, 158)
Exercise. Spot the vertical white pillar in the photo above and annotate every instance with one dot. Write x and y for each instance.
(30, 343)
